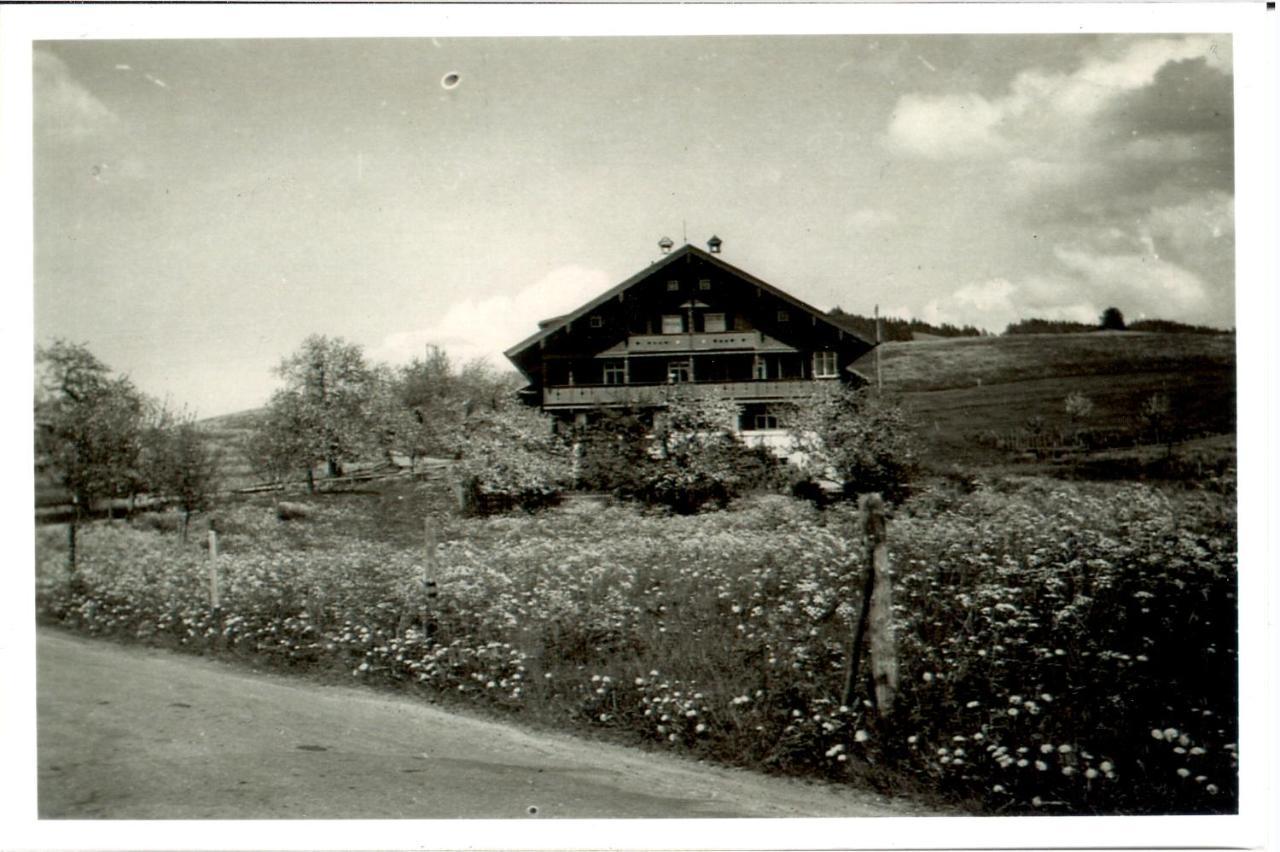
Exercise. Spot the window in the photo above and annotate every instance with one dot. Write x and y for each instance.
(672, 324)
(760, 370)
(679, 371)
(615, 372)
(673, 285)
(824, 365)
(783, 316)
(765, 421)
(713, 322)
(704, 284)
(597, 321)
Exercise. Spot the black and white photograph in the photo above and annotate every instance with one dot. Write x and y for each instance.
(512, 423)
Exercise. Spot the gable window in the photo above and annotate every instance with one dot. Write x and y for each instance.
(783, 316)
(597, 321)
(673, 285)
(679, 371)
(672, 324)
(713, 322)
(704, 284)
(824, 365)
(615, 372)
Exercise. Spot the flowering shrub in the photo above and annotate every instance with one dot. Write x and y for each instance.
(1061, 647)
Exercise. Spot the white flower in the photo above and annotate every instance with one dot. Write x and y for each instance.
(1183, 772)
(860, 736)
(1041, 765)
(1106, 766)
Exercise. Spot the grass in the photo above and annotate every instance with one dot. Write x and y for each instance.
(962, 394)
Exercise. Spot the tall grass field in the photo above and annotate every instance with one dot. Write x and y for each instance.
(1064, 648)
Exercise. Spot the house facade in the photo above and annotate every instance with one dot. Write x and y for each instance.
(689, 325)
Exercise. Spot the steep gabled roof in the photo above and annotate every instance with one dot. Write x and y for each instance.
(552, 326)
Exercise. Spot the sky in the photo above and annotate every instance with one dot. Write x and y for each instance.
(202, 206)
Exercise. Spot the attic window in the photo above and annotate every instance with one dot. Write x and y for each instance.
(673, 285)
(783, 316)
(704, 284)
(597, 321)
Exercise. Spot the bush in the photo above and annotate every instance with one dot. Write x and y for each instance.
(511, 458)
(857, 439)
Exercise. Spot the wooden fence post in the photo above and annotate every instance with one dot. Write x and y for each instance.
(429, 590)
(215, 597)
(875, 615)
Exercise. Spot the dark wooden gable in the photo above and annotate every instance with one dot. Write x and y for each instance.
(688, 276)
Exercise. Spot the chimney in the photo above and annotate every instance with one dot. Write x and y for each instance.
(713, 244)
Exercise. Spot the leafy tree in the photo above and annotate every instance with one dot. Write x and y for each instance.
(1112, 320)
(512, 457)
(279, 444)
(183, 465)
(856, 438)
(700, 460)
(1078, 407)
(88, 429)
(330, 386)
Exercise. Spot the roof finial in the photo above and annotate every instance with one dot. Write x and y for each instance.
(665, 244)
(713, 244)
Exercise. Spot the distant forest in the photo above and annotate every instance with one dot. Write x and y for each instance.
(898, 329)
(895, 328)
(1044, 326)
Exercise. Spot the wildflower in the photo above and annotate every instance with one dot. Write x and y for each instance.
(1211, 789)
(1041, 765)
(1183, 772)
(1105, 766)
(1046, 748)
(861, 736)
(1170, 734)
(1068, 771)
(997, 788)
(1013, 711)
(911, 740)
(972, 704)
(1091, 773)
(1157, 734)
(1197, 750)
(1064, 749)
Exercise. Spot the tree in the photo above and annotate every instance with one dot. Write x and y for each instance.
(1112, 320)
(183, 466)
(856, 438)
(699, 458)
(88, 429)
(279, 443)
(330, 384)
(511, 457)
(1078, 407)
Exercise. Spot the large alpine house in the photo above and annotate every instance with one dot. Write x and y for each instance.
(690, 324)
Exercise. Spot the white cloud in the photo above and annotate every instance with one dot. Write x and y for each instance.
(1144, 282)
(946, 125)
(63, 106)
(1040, 108)
(484, 328)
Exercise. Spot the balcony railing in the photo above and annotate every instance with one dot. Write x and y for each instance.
(586, 396)
(747, 341)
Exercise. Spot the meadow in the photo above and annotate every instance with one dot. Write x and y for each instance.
(969, 398)
(1065, 648)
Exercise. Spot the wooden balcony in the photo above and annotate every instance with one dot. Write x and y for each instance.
(591, 396)
(717, 341)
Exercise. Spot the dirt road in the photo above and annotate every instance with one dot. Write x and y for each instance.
(127, 732)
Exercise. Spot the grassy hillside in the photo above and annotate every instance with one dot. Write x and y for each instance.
(972, 398)
(228, 432)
